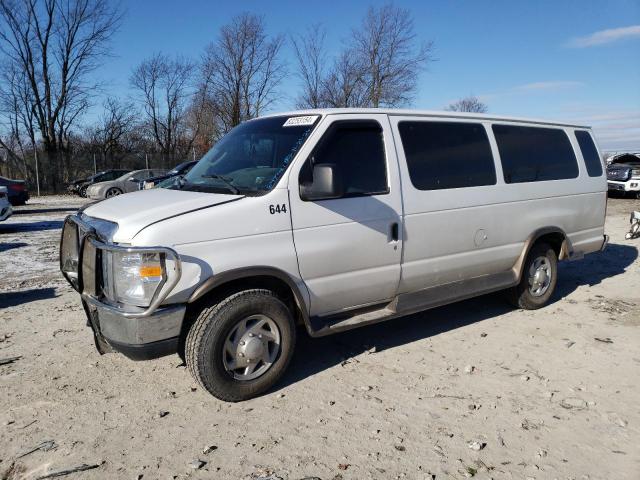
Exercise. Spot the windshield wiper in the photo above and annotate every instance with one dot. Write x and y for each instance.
(225, 180)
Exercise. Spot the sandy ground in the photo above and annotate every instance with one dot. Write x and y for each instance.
(472, 389)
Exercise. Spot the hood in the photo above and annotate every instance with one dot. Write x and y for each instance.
(99, 184)
(134, 211)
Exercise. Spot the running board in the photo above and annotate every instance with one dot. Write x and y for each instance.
(408, 303)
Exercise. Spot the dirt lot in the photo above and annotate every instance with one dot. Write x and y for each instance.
(473, 389)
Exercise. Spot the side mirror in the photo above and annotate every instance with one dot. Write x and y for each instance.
(326, 184)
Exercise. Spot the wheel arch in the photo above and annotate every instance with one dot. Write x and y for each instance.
(113, 187)
(554, 236)
(274, 279)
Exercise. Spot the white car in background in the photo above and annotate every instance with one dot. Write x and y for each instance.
(5, 206)
(129, 182)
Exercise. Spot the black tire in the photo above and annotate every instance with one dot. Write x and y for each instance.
(522, 295)
(204, 349)
(83, 192)
(113, 192)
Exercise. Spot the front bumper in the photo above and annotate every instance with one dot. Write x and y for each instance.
(136, 338)
(628, 186)
(139, 333)
(94, 194)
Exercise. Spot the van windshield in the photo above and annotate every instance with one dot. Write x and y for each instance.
(251, 158)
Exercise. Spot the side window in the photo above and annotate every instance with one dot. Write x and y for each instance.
(447, 154)
(535, 154)
(589, 153)
(356, 148)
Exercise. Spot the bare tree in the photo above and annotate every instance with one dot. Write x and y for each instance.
(202, 115)
(344, 86)
(390, 55)
(57, 43)
(17, 118)
(164, 86)
(242, 70)
(311, 61)
(117, 121)
(468, 104)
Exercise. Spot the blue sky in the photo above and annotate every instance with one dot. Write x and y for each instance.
(566, 60)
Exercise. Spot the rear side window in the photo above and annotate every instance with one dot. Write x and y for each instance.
(447, 155)
(589, 153)
(357, 150)
(535, 154)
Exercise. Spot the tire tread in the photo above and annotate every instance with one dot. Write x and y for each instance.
(212, 313)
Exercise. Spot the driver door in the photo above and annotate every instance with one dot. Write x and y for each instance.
(349, 248)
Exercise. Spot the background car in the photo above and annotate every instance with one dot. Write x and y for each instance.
(129, 182)
(79, 187)
(5, 206)
(17, 190)
(623, 174)
(177, 171)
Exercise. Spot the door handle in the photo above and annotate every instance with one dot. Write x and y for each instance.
(395, 231)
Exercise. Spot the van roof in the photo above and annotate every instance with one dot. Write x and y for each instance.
(424, 113)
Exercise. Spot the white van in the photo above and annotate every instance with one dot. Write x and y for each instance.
(332, 219)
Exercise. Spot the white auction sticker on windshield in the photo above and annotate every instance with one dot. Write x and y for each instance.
(301, 121)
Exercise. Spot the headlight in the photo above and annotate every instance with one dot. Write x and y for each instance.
(635, 173)
(132, 278)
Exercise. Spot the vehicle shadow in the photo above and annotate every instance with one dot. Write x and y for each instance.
(12, 299)
(11, 245)
(594, 268)
(31, 227)
(314, 355)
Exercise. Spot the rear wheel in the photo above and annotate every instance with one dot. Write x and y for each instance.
(112, 192)
(83, 192)
(539, 278)
(240, 347)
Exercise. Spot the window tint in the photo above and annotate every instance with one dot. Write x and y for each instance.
(357, 150)
(589, 153)
(535, 154)
(447, 155)
(142, 175)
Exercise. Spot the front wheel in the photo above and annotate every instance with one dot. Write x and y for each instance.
(112, 192)
(240, 347)
(539, 278)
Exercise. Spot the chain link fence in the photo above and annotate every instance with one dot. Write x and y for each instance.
(81, 165)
